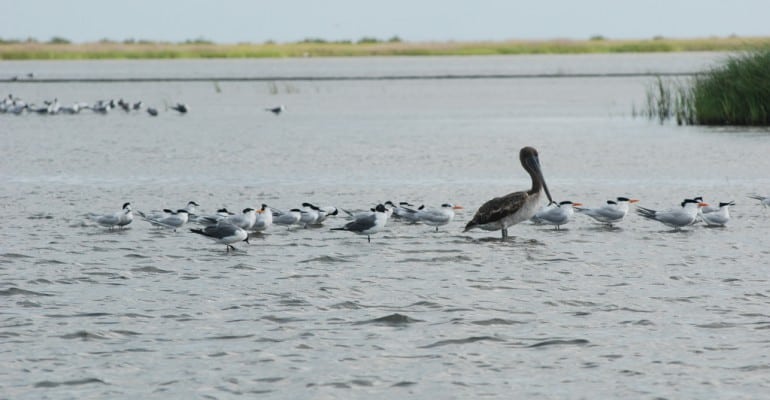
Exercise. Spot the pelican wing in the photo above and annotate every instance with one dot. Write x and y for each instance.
(497, 209)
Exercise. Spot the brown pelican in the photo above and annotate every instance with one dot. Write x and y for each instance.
(502, 212)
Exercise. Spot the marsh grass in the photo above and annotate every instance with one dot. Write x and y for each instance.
(735, 93)
(16, 50)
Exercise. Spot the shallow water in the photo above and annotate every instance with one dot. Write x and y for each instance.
(584, 312)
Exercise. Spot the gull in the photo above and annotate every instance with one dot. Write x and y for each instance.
(502, 212)
(437, 216)
(367, 223)
(610, 213)
(677, 217)
(555, 214)
(718, 217)
(117, 219)
(224, 233)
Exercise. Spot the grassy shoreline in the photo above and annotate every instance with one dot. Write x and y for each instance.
(143, 50)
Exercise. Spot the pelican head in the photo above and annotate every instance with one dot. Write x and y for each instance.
(531, 162)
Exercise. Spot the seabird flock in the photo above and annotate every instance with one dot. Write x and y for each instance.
(497, 214)
(17, 106)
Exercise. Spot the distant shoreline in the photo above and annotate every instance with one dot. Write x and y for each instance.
(105, 50)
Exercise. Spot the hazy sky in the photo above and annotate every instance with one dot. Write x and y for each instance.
(230, 21)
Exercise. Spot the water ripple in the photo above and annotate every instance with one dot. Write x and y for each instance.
(16, 291)
(471, 339)
(392, 320)
(85, 381)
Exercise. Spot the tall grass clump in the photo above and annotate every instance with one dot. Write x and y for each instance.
(735, 93)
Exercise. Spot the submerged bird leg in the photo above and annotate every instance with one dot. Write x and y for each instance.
(368, 238)
(436, 228)
(505, 233)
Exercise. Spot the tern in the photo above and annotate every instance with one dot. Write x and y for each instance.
(367, 223)
(404, 211)
(224, 233)
(117, 219)
(719, 217)
(677, 217)
(555, 214)
(325, 212)
(277, 110)
(764, 200)
(171, 220)
(502, 212)
(309, 215)
(610, 213)
(264, 219)
(438, 216)
(287, 219)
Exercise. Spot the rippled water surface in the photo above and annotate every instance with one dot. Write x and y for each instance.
(637, 311)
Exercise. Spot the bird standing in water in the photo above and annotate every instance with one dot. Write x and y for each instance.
(502, 212)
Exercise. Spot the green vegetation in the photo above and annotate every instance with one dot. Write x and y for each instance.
(62, 49)
(736, 93)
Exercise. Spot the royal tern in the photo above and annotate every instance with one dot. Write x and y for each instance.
(325, 212)
(171, 219)
(555, 214)
(264, 219)
(437, 216)
(287, 219)
(764, 200)
(719, 217)
(502, 212)
(610, 213)
(117, 219)
(190, 208)
(367, 224)
(243, 221)
(224, 233)
(706, 209)
(213, 218)
(404, 211)
(676, 217)
(309, 215)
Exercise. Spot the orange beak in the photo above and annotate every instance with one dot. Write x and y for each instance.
(633, 201)
(577, 204)
(260, 211)
(457, 207)
(702, 204)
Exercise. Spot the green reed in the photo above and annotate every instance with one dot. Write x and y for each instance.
(734, 93)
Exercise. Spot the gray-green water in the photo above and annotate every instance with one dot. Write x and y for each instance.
(584, 312)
